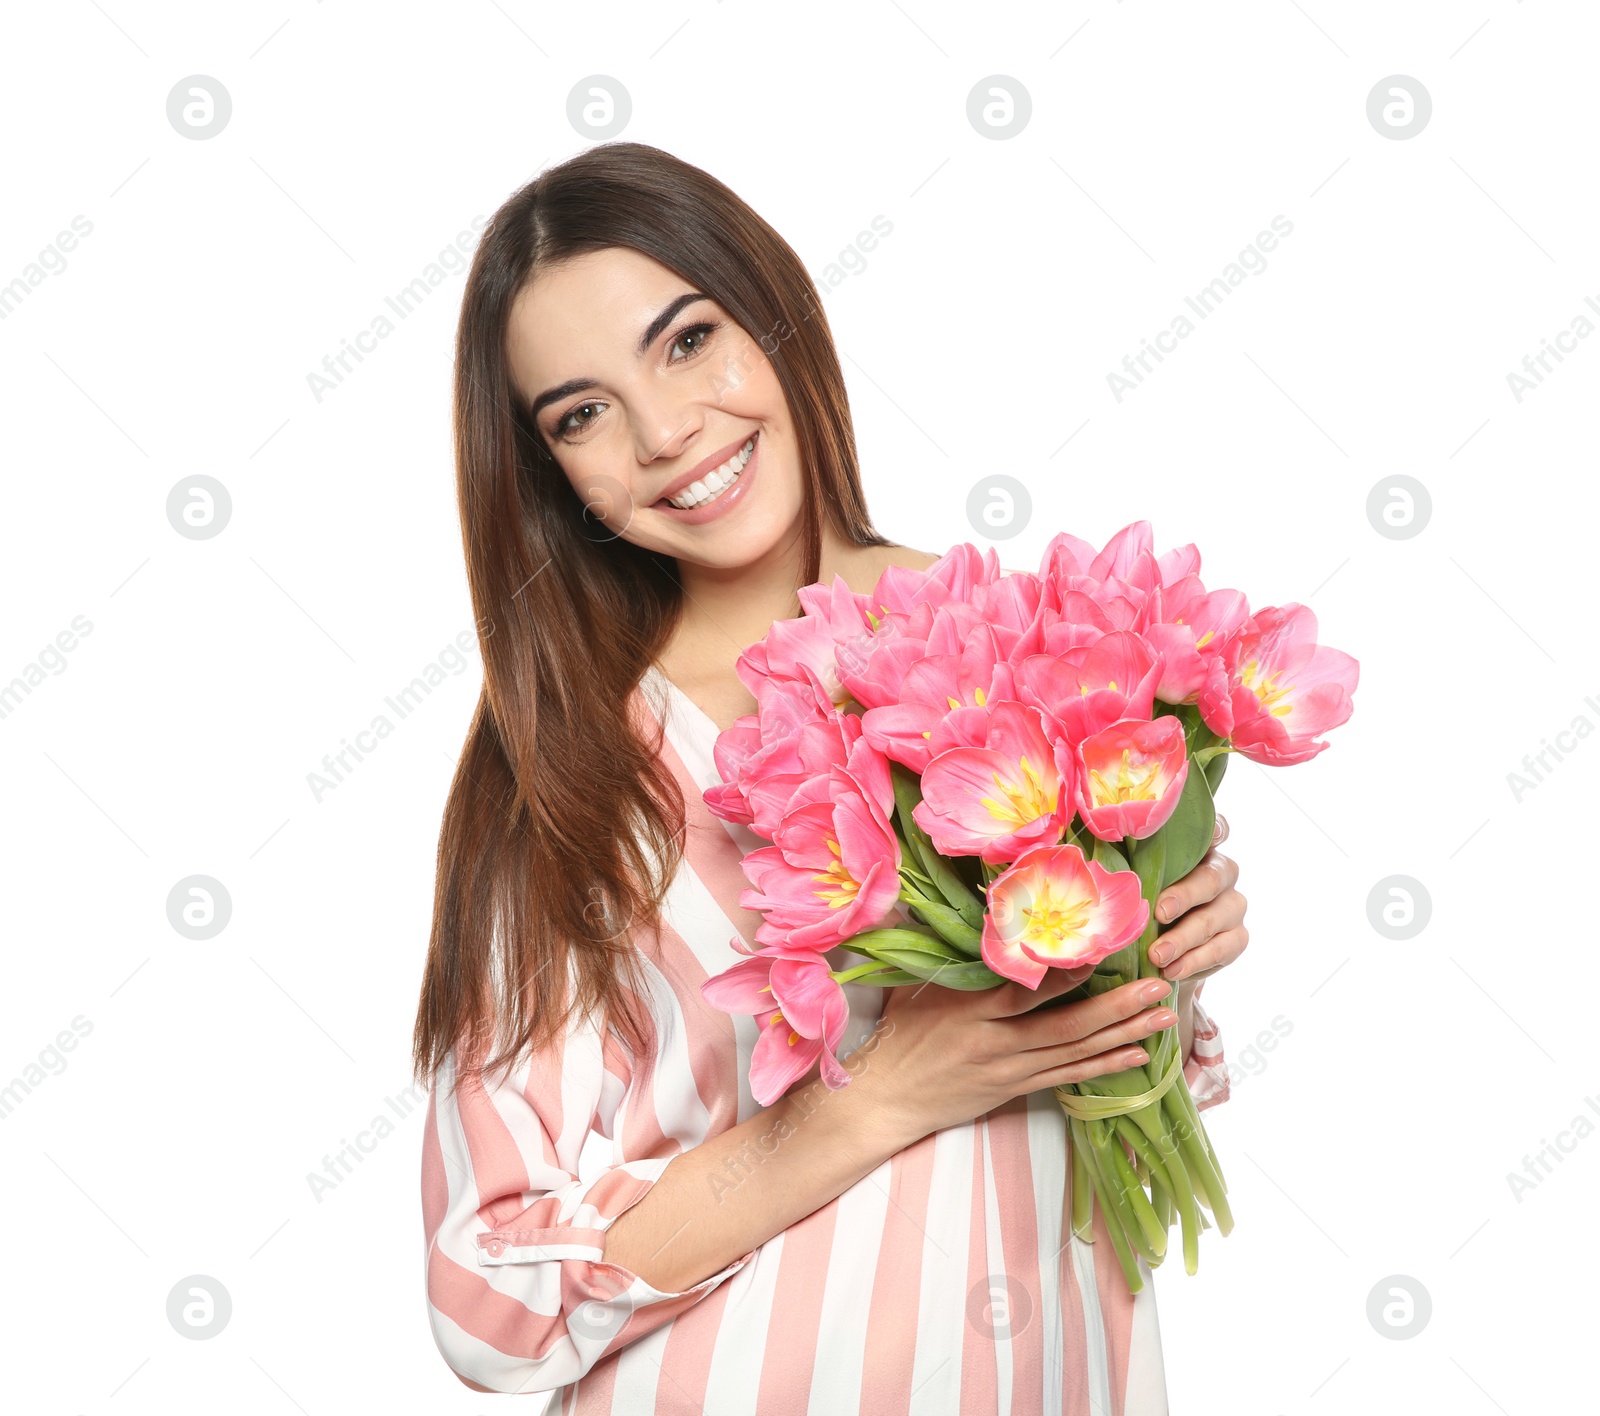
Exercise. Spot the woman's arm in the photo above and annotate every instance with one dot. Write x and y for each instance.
(828, 1139)
(820, 1141)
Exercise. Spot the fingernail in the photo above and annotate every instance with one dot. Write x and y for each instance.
(1156, 989)
(1158, 955)
(1162, 1018)
(1166, 909)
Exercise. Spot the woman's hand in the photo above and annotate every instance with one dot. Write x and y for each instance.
(1209, 932)
(941, 1056)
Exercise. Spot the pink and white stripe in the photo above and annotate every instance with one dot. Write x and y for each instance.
(945, 1281)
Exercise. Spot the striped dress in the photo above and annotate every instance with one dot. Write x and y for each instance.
(944, 1283)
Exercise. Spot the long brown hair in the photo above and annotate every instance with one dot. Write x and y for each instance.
(563, 827)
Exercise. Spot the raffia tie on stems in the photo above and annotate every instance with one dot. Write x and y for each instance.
(1104, 1108)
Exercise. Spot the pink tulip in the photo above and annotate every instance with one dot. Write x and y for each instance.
(1087, 689)
(1190, 628)
(765, 746)
(1286, 688)
(808, 1022)
(1013, 609)
(949, 579)
(1125, 569)
(931, 689)
(1056, 909)
(796, 649)
(833, 869)
(1132, 775)
(817, 746)
(996, 800)
(873, 665)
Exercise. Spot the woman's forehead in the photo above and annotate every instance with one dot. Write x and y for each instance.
(597, 303)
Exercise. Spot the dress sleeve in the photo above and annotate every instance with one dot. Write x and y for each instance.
(1206, 1071)
(520, 1296)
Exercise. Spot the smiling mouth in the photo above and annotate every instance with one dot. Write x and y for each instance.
(715, 482)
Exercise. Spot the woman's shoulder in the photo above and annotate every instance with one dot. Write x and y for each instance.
(910, 558)
(907, 557)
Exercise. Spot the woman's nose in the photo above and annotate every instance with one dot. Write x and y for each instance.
(665, 433)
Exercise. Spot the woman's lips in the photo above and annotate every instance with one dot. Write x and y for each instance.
(718, 505)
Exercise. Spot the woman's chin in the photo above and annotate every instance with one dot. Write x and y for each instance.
(747, 538)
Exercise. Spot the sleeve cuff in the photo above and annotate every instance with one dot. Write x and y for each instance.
(611, 1295)
(1206, 1070)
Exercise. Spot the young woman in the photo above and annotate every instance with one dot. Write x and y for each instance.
(654, 452)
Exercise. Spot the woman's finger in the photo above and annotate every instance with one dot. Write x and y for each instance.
(1205, 959)
(1215, 873)
(1198, 925)
(1075, 1021)
(1219, 832)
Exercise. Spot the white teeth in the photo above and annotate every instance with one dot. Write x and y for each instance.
(715, 482)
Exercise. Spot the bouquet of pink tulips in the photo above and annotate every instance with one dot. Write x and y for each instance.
(971, 776)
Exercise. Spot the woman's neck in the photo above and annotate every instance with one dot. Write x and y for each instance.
(742, 602)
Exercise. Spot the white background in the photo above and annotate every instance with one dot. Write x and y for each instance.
(1375, 1140)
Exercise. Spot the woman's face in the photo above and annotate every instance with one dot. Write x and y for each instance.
(648, 395)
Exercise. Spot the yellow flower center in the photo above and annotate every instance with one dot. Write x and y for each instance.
(1025, 801)
(839, 888)
(777, 1019)
(1125, 782)
(1053, 924)
(1267, 690)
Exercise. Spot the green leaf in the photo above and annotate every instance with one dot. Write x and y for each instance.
(1214, 770)
(950, 926)
(907, 794)
(1188, 832)
(969, 976)
(1108, 856)
(870, 941)
(1149, 860)
(888, 978)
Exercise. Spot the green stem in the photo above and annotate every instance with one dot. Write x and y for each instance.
(1161, 1198)
(1152, 1121)
(940, 873)
(1108, 1210)
(945, 922)
(1146, 1152)
(1082, 1193)
(1203, 1173)
(1147, 1228)
(861, 970)
(1193, 1113)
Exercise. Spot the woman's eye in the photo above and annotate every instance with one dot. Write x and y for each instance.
(694, 337)
(699, 332)
(572, 423)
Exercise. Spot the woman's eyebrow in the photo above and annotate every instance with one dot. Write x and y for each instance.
(667, 315)
(652, 330)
